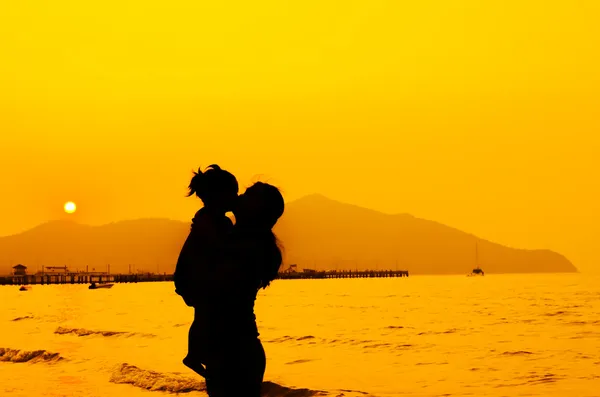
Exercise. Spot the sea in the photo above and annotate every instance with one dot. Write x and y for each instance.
(497, 335)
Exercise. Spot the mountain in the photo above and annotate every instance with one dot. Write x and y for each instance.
(323, 233)
(315, 232)
(143, 243)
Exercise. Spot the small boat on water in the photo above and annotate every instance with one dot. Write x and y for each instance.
(24, 288)
(477, 271)
(96, 286)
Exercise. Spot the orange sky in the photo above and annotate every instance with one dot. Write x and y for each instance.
(480, 115)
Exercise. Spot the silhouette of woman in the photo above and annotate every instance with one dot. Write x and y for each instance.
(236, 360)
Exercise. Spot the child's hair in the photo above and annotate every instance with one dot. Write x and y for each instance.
(213, 185)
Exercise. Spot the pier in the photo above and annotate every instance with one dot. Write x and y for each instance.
(313, 274)
(20, 276)
(82, 278)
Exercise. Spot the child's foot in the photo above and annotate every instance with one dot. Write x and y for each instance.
(194, 366)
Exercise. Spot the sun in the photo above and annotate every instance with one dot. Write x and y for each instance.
(70, 207)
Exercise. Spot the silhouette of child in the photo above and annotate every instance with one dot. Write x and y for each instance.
(203, 250)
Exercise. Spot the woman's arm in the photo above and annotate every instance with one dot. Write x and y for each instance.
(237, 268)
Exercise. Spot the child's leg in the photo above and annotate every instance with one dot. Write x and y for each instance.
(193, 360)
(195, 365)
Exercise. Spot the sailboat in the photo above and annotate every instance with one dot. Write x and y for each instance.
(477, 271)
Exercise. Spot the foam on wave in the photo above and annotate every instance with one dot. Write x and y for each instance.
(87, 332)
(22, 318)
(155, 381)
(22, 356)
(175, 383)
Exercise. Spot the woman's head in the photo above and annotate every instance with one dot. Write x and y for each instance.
(216, 188)
(257, 211)
(260, 206)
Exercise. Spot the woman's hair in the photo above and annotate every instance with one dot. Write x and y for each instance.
(269, 209)
(273, 260)
(213, 184)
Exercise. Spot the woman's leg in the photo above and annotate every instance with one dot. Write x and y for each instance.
(238, 371)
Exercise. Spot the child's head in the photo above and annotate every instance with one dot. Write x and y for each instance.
(216, 188)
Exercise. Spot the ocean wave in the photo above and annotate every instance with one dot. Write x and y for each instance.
(311, 340)
(586, 335)
(365, 343)
(377, 345)
(22, 356)
(448, 331)
(354, 392)
(542, 378)
(87, 332)
(22, 318)
(517, 353)
(155, 381)
(299, 362)
(174, 383)
(557, 313)
(288, 338)
(596, 322)
(577, 323)
(532, 379)
(432, 363)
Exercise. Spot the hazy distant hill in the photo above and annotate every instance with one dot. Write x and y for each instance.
(315, 231)
(144, 243)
